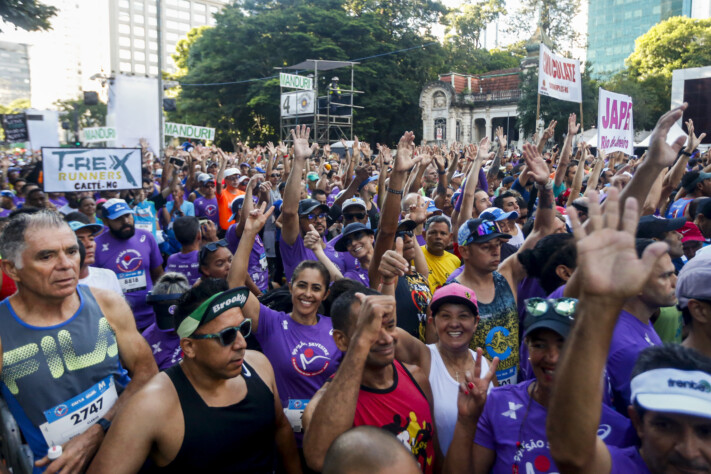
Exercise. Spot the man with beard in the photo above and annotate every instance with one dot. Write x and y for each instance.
(133, 255)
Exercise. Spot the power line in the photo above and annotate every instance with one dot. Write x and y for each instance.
(422, 46)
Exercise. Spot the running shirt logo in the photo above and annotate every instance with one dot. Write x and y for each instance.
(60, 410)
(413, 435)
(310, 358)
(129, 260)
(210, 210)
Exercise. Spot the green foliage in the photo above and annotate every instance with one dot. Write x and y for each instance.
(469, 21)
(556, 21)
(650, 96)
(554, 109)
(16, 106)
(88, 115)
(676, 43)
(30, 15)
(183, 47)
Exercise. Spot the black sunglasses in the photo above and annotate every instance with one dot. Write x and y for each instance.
(211, 247)
(208, 184)
(228, 335)
(275, 175)
(358, 215)
(313, 217)
(355, 236)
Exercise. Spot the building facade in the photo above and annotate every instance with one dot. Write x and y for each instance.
(614, 25)
(14, 73)
(134, 31)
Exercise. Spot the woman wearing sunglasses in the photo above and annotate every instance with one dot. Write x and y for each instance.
(298, 344)
(508, 426)
(215, 260)
(357, 240)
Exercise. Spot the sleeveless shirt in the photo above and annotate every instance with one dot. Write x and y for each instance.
(404, 411)
(51, 374)
(235, 438)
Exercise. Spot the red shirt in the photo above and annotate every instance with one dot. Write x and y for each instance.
(8, 287)
(404, 411)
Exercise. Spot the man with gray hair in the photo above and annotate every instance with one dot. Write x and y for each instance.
(66, 348)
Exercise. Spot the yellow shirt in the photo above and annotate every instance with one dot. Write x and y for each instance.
(440, 267)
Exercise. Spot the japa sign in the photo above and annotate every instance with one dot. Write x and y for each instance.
(559, 77)
(188, 131)
(295, 82)
(90, 169)
(615, 126)
(98, 134)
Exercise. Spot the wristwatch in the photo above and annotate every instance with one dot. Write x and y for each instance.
(104, 423)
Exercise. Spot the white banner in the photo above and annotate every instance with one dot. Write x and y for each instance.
(98, 134)
(91, 169)
(295, 82)
(615, 126)
(43, 127)
(188, 131)
(297, 103)
(559, 77)
(133, 110)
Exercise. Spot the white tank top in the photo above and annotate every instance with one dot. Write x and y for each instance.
(444, 393)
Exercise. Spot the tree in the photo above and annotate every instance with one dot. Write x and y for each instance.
(555, 18)
(182, 50)
(15, 107)
(650, 95)
(555, 109)
(30, 15)
(87, 115)
(471, 19)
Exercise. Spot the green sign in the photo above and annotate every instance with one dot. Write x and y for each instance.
(98, 134)
(189, 131)
(296, 82)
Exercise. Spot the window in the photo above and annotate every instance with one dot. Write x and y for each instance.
(184, 15)
(153, 45)
(124, 29)
(125, 41)
(153, 58)
(153, 70)
(139, 69)
(125, 54)
(138, 31)
(184, 4)
(139, 56)
(459, 131)
(138, 6)
(198, 19)
(125, 67)
(440, 128)
(138, 19)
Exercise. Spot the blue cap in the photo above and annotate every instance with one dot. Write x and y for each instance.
(115, 208)
(245, 164)
(369, 180)
(6, 193)
(455, 196)
(350, 229)
(94, 228)
(431, 207)
(479, 231)
(259, 169)
(496, 214)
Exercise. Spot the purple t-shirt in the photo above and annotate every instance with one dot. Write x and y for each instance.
(5, 212)
(631, 336)
(205, 207)
(453, 276)
(343, 260)
(131, 260)
(185, 263)
(165, 344)
(510, 415)
(303, 357)
(626, 460)
(293, 255)
(257, 266)
(360, 275)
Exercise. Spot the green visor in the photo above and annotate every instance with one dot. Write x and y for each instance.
(212, 308)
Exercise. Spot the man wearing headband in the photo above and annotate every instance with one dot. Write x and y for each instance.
(216, 411)
(670, 385)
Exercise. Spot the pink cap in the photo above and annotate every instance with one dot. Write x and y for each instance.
(454, 293)
(690, 232)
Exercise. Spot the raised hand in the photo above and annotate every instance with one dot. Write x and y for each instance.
(483, 150)
(537, 167)
(440, 162)
(573, 126)
(300, 136)
(473, 390)
(660, 152)
(404, 160)
(370, 317)
(692, 143)
(607, 259)
(418, 211)
(393, 264)
(312, 239)
(550, 130)
(256, 219)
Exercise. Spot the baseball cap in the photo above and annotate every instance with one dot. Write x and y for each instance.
(204, 177)
(670, 390)
(457, 174)
(231, 172)
(115, 208)
(691, 232)
(652, 227)
(581, 204)
(94, 228)
(211, 308)
(306, 206)
(691, 179)
(235, 206)
(454, 293)
(554, 314)
(6, 193)
(245, 164)
(508, 180)
(350, 229)
(369, 180)
(259, 170)
(243, 179)
(431, 207)
(704, 208)
(406, 225)
(496, 214)
(693, 280)
(478, 231)
(354, 201)
(312, 176)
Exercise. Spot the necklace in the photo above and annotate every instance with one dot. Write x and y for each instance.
(450, 364)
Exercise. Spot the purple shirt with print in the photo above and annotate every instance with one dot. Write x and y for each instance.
(343, 260)
(303, 357)
(293, 255)
(360, 275)
(257, 266)
(510, 415)
(205, 207)
(631, 336)
(626, 460)
(185, 263)
(165, 344)
(131, 260)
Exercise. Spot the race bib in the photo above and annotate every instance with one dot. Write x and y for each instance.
(76, 415)
(144, 226)
(263, 261)
(132, 281)
(295, 412)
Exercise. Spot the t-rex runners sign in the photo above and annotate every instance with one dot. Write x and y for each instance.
(91, 169)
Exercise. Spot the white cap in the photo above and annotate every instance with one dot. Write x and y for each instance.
(54, 452)
(673, 391)
(354, 201)
(243, 179)
(231, 171)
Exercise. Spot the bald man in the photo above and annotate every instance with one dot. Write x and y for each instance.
(368, 450)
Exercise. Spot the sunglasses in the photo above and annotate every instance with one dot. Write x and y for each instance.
(209, 184)
(562, 306)
(313, 217)
(353, 237)
(228, 335)
(275, 175)
(211, 247)
(358, 215)
(404, 233)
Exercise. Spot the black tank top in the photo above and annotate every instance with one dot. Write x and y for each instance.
(235, 438)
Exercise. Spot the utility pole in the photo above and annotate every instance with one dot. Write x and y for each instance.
(159, 22)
